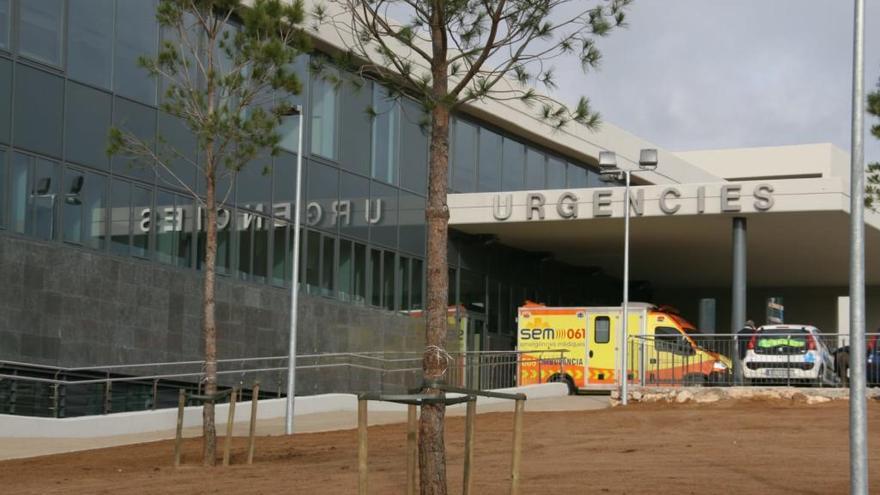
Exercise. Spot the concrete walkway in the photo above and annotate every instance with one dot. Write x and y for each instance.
(12, 448)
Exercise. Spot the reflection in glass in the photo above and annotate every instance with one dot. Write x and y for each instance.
(354, 194)
(187, 211)
(44, 194)
(289, 128)
(412, 223)
(5, 99)
(384, 232)
(141, 224)
(72, 205)
(345, 270)
(403, 270)
(323, 125)
(40, 28)
(356, 122)
(555, 173)
(321, 195)
(120, 216)
(261, 249)
(90, 41)
(280, 260)
(4, 23)
(87, 119)
(413, 147)
(39, 101)
(376, 276)
(18, 192)
(2, 187)
(489, 179)
(360, 273)
(139, 120)
(576, 177)
(313, 262)
(167, 224)
(385, 129)
(328, 248)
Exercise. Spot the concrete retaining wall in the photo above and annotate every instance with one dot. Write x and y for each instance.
(702, 395)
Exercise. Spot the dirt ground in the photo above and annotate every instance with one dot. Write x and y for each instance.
(731, 447)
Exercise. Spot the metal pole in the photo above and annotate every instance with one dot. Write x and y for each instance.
(738, 291)
(625, 316)
(858, 427)
(294, 288)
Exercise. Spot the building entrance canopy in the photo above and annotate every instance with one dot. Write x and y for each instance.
(681, 234)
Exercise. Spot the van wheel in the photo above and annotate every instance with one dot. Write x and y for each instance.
(557, 378)
(695, 380)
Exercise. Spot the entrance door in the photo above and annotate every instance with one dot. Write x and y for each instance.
(601, 348)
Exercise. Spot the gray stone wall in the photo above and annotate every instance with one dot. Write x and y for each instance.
(71, 307)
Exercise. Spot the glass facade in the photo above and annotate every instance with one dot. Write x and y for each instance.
(73, 74)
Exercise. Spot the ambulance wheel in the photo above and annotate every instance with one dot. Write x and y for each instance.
(557, 378)
(695, 380)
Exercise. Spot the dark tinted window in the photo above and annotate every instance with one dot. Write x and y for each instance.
(388, 289)
(321, 196)
(535, 168)
(254, 184)
(464, 157)
(416, 285)
(384, 205)
(413, 148)
(2, 188)
(84, 206)
(175, 140)
(323, 117)
(354, 193)
(514, 166)
(576, 176)
(555, 173)
(284, 179)
(490, 161)
(120, 217)
(142, 224)
(87, 120)
(38, 105)
(40, 27)
(90, 41)
(385, 136)
(5, 99)
(602, 330)
(137, 34)
(140, 120)
(355, 124)
(4, 23)
(412, 223)
(289, 128)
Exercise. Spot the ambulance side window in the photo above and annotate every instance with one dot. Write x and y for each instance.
(602, 330)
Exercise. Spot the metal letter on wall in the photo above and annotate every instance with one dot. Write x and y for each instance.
(730, 198)
(664, 197)
(497, 212)
(535, 202)
(341, 210)
(567, 206)
(314, 214)
(763, 197)
(602, 203)
(637, 202)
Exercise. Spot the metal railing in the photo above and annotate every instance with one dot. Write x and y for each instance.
(768, 358)
(51, 391)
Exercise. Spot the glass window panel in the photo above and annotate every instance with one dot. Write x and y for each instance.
(90, 41)
(385, 135)
(175, 138)
(137, 34)
(388, 280)
(44, 194)
(328, 249)
(403, 270)
(413, 147)
(555, 173)
(464, 157)
(142, 224)
(595, 180)
(289, 128)
(490, 161)
(5, 99)
(412, 223)
(87, 119)
(2, 188)
(167, 224)
(473, 290)
(354, 194)
(280, 259)
(313, 261)
(18, 192)
(453, 297)
(513, 175)
(345, 270)
(94, 196)
(416, 285)
(38, 105)
(261, 250)
(322, 194)
(492, 322)
(254, 185)
(535, 169)
(284, 179)
(323, 127)
(40, 27)
(384, 208)
(360, 273)
(140, 120)
(4, 23)
(120, 216)
(576, 176)
(376, 277)
(354, 127)
(72, 205)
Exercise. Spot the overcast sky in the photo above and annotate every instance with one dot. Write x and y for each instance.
(697, 74)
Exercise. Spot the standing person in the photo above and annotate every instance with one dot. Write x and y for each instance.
(743, 337)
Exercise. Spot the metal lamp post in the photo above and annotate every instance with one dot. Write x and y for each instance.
(294, 292)
(609, 170)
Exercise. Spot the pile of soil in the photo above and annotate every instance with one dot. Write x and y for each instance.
(761, 447)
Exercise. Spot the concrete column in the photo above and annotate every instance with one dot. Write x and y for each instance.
(738, 290)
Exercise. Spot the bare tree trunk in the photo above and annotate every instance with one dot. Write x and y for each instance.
(209, 328)
(432, 449)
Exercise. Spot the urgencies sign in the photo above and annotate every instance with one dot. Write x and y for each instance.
(669, 202)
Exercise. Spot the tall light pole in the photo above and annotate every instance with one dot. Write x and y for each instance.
(609, 170)
(294, 278)
(858, 426)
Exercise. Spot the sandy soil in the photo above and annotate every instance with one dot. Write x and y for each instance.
(730, 447)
